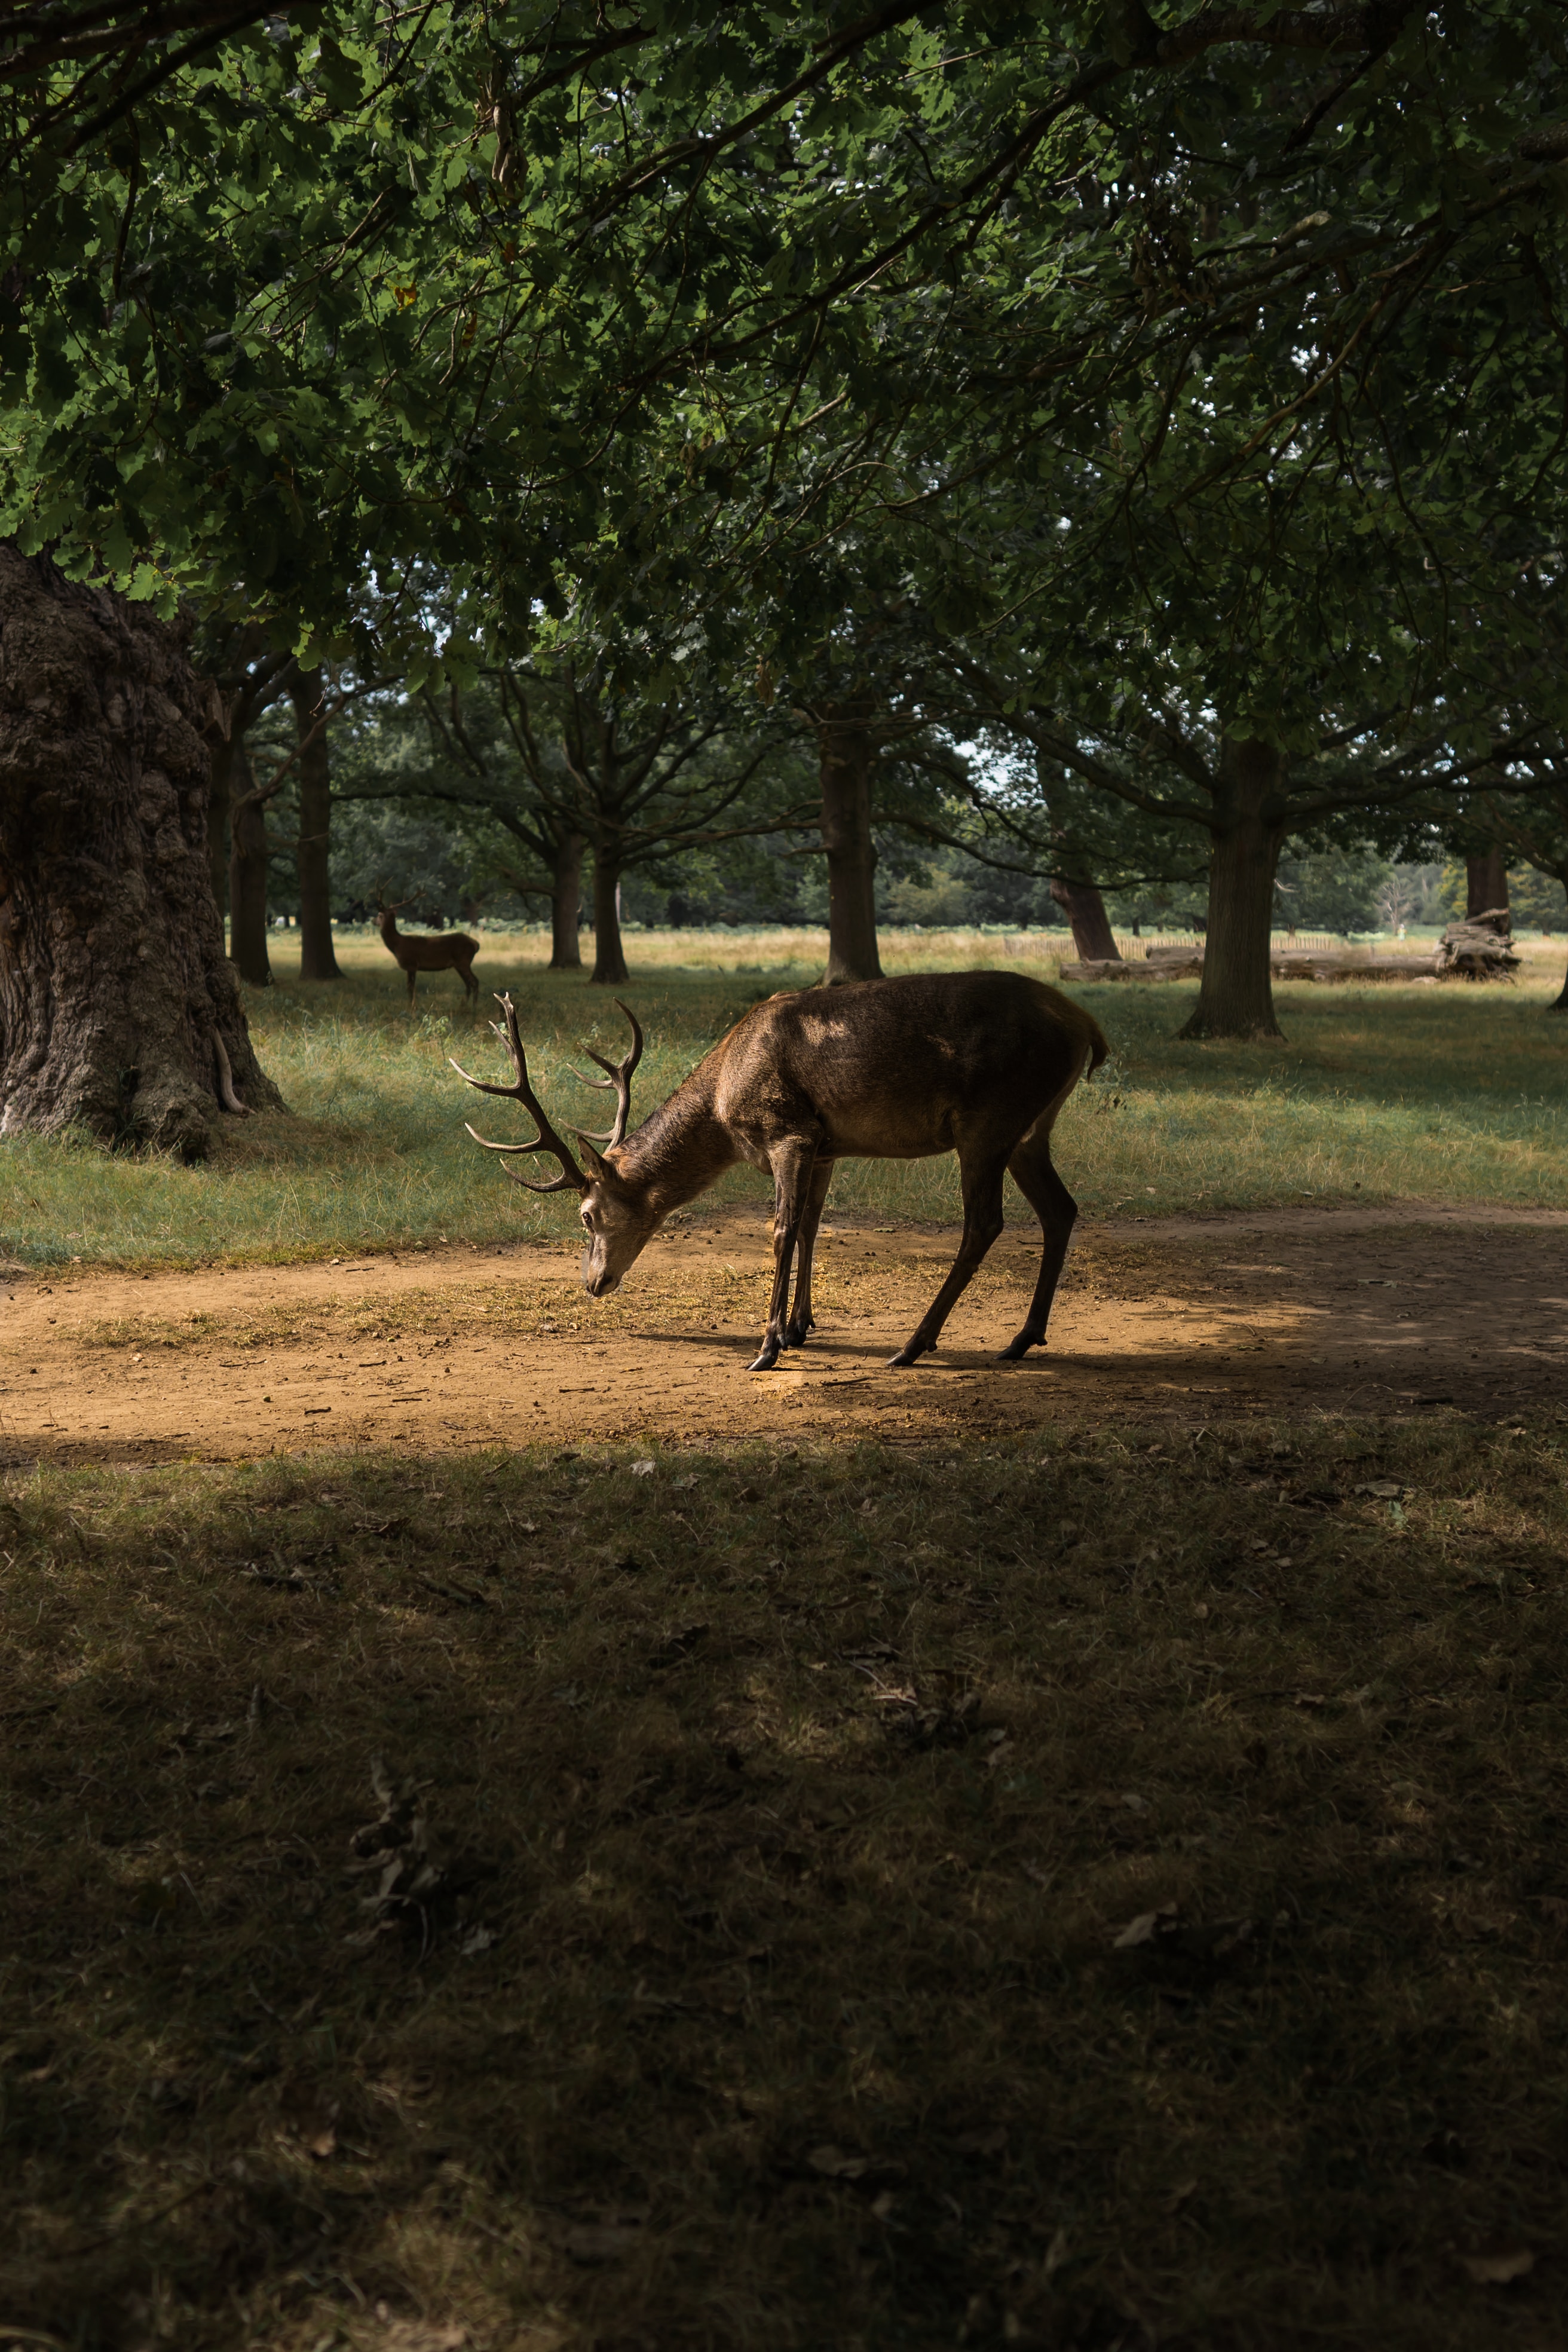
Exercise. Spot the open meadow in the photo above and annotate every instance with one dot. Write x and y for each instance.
(1445, 1093)
(521, 1838)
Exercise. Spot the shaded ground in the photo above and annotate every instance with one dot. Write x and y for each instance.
(1186, 1319)
(1098, 1889)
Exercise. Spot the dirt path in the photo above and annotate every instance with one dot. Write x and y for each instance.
(1288, 1311)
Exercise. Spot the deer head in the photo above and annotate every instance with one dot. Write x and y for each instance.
(616, 1217)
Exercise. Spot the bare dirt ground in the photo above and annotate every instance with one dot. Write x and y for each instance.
(1295, 1311)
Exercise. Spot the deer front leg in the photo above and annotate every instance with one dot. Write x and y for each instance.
(801, 1318)
(1031, 1169)
(412, 977)
(792, 1168)
(983, 1222)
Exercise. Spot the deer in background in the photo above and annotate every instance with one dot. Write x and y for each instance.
(979, 1063)
(419, 952)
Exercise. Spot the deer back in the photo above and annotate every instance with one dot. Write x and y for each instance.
(434, 950)
(902, 1068)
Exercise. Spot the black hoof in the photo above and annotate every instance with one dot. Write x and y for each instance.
(795, 1336)
(1019, 1349)
(765, 1362)
(904, 1358)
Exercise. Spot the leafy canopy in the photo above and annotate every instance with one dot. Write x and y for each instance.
(615, 310)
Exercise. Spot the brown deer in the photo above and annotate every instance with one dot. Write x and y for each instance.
(979, 1063)
(419, 952)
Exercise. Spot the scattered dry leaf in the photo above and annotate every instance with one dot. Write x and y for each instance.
(1499, 2269)
(843, 2164)
(419, 2335)
(1148, 1927)
(417, 1879)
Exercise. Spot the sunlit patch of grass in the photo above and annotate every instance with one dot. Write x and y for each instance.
(1446, 1094)
(1072, 1889)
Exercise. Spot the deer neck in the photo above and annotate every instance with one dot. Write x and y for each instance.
(680, 1151)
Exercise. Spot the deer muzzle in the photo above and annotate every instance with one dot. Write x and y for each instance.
(598, 1279)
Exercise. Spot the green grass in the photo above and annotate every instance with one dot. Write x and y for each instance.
(784, 1811)
(1444, 1094)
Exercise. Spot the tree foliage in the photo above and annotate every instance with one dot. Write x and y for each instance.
(1139, 373)
(564, 297)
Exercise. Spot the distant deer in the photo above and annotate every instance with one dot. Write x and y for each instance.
(979, 1063)
(419, 952)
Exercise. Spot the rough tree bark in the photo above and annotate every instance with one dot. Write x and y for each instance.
(1235, 998)
(308, 691)
(1486, 883)
(609, 959)
(248, 871)
(566, 905)
(846, 749)
(1093, 936)
(118, 1011)
(1560, 1004)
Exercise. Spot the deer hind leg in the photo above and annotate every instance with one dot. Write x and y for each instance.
(1031, 1169)
(801, 1318)
(470, 985)
(983, 1220)
(792, 1167)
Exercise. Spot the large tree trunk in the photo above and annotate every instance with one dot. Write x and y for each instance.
(1560, 1004)
(1093, 936)
(846, 749)
(1235, 998)
(1486, 883)
(317, 959)
(248, 872)
(118, 1009)
(609, 962)
(218, 824)
(567, 906)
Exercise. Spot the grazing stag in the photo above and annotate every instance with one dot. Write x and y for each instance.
(979, 1063)
(419, 952)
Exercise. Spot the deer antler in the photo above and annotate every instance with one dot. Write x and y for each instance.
(619, 1080)
(571, 1178)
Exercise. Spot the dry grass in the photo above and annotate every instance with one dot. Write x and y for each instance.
(785, 1808)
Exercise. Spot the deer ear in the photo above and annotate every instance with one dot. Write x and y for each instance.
(595, 1167)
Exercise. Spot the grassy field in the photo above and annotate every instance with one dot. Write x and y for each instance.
(1082, 1892)
(1446, 1094)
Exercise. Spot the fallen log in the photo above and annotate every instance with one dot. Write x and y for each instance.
(1285, 963)
(1347, 966)
(1182, 964)
(1481, 948)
